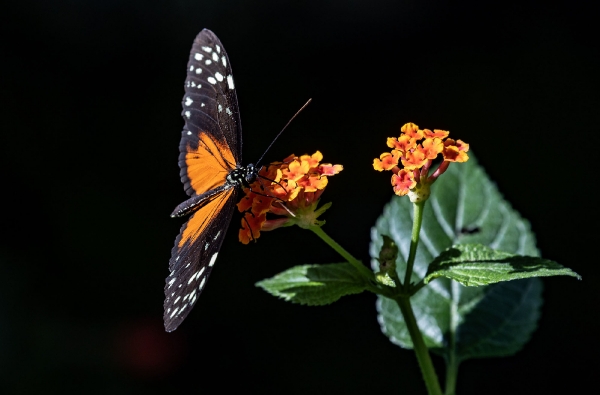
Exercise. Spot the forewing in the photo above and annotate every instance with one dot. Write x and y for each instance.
(194, 254)
(210, 112)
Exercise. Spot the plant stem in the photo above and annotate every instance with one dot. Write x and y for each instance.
(345, 254)
(429, 375)
(414, 241)
(431, 380)
(451, 360)
(451, 373)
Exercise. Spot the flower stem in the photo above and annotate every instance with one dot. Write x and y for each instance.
(429, 375)
(414, 241)
(452, 361)
(345, 254)
(451, 373)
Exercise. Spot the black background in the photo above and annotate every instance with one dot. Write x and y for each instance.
(90, 114)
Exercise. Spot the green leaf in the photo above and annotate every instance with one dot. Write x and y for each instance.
(315, 285)
(464, 207)
(476, 264)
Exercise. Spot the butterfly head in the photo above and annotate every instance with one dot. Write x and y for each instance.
(251, 173)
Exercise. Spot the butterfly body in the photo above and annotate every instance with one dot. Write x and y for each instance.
(241, 176)
(211, 171)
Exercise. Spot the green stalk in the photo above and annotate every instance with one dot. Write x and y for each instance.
(451, 360)
(451, 373)
(345, 254)
(431, 380)
(414, 241)
(429, 375)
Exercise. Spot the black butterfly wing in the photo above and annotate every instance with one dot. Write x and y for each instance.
(210, 112)
(210, 148)
(194, 254)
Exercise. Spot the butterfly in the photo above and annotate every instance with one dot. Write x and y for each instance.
(210, 153)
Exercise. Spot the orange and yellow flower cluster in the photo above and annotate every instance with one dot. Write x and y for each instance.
(415, 150)
(291, 189)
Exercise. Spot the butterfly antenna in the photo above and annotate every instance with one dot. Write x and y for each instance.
(286, 125)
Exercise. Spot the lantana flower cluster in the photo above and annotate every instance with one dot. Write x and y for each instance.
(289, 189)
(412, 155)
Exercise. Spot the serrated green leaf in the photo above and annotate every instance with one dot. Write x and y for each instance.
(476, 264)
(315, 285)
(464, 207)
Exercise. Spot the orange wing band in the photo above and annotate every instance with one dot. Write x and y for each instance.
(197, 224)
(208, 166)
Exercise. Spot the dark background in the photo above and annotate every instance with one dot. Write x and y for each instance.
(90, 114)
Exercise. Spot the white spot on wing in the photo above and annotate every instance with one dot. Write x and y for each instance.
(202, 283)
(228, 111)
(230, 81)
(188, 114)
(215, 57)
(198, 56)
(220, 108)
(206, 246)
(207, 62)
(213, 259)
(224, 61)
(188, 101)
(172, 281)
(217, 235)
(218, 48)
(207, 49)
(202, 105)
(189, 133)
(193, 84)
(191, 279)
(192, 68)
(212, 80)
(198, 70)
(219, 76)
(177, 300)
(174, 312)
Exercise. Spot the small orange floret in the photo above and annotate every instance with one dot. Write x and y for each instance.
(296, 170)
(432, 147)
(403, 143)
(261, 204)
(414, 160)
(391, 142)
(452, 152)
(403, 182)
(387, 161)
(246, 202)
(314, 183)
(442, 134)
(327, 169)
(312, 160)
(251, 225)
(462, 146)
(411, 130)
